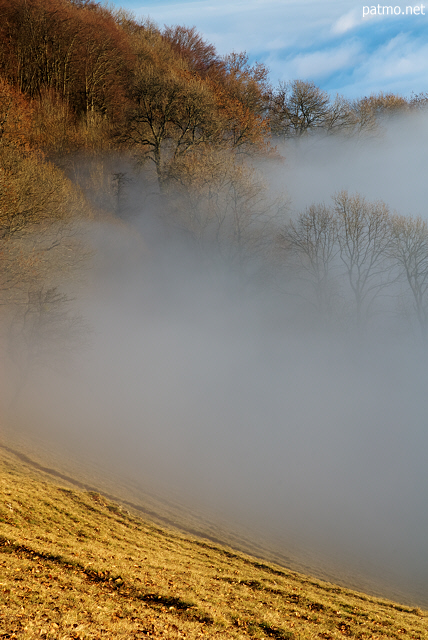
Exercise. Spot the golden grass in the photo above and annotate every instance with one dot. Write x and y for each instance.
(75, 565)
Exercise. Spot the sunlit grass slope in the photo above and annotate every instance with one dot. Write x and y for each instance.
(73, 564)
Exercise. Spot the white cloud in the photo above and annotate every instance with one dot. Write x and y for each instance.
(399, 66)
(250, 24)
(347, 22)
(400, 58)
(319, 64)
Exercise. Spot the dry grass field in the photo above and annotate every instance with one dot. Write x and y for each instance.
(75, 565)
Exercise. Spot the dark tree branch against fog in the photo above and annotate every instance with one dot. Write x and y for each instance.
(224, 206)
(364, 238)
(409, 248)
(357, 247)
(311, 243)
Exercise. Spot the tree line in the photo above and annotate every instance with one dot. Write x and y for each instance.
(358, 258)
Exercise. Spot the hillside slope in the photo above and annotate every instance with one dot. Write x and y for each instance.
(75, 565)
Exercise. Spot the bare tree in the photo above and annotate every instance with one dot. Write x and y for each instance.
(364, 240)
(311, 243)
(297, 107)
(409, 249)
(340, 117)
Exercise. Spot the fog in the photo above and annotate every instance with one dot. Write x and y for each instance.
(230, 400)
(388, 166)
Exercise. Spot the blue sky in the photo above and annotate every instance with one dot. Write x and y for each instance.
(326, 41)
